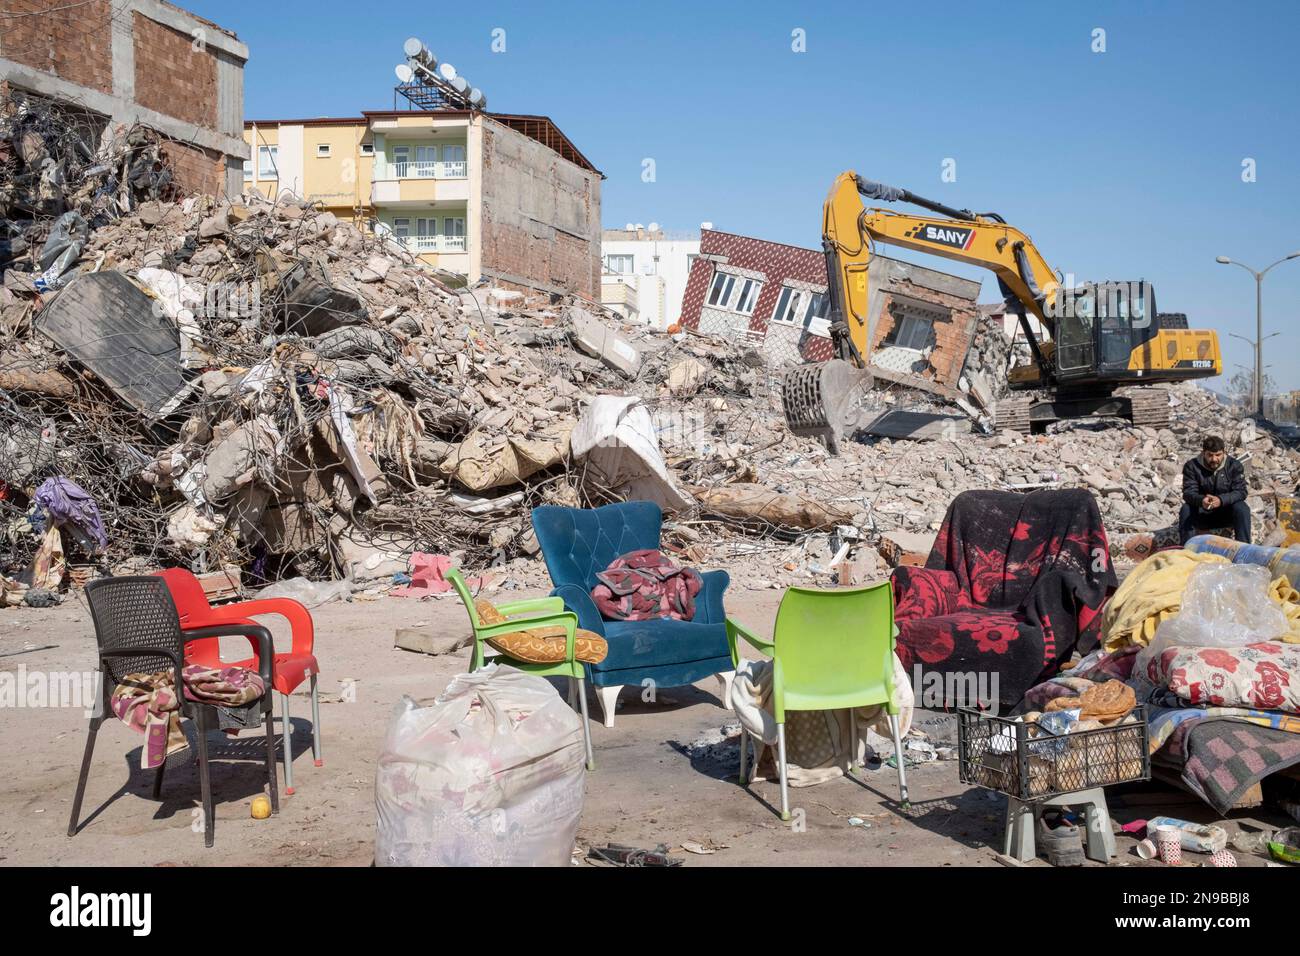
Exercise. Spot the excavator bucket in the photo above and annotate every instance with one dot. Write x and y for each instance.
(825, 400)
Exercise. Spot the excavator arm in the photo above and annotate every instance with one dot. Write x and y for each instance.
(1120, 341)
(849, 230)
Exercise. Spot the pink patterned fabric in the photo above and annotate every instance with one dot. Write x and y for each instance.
(645, 585)
(147, 703)
(1265, 675)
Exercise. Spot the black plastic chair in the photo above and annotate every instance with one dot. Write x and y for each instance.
(138, 631)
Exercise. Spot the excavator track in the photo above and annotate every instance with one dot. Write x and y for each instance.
(1150, 407)
(1012, 414)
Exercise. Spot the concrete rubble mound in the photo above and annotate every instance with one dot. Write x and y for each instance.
(261, 386)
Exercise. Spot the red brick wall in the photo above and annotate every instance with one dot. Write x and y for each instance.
(171, 76)
(952, 335)
(515, 245)
(196, 170)
(75, 43)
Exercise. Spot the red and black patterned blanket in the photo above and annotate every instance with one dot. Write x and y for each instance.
(1013, 584)
(644, 585)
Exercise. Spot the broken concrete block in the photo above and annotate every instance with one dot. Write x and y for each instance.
(751, 502)
(107, 323)
(685, 377)
(375, 269)
(600, 341)
(428, 639)
(907, 548)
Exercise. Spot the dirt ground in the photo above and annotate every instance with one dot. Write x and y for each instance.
(650, 785)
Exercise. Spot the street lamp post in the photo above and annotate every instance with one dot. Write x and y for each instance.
(1259, 322)
(1255, 385)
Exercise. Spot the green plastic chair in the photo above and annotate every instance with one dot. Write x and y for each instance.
(539, 612)
(830, 650)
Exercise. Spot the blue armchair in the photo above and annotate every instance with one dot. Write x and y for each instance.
(577, 544)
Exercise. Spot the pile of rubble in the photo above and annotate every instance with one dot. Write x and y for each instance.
(260, 390)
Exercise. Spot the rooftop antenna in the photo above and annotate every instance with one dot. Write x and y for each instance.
(432, 85)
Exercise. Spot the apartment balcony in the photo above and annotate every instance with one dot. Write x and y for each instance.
(430, 170)
(420, 183)
(423, 244)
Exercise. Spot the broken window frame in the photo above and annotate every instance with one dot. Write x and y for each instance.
(908, 318)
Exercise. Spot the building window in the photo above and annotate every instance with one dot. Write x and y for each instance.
(266, 162)
(367, 149)
(454, 227)
(620, 265)
(402, 228)
(453, 154)
(913, 332)
(323, 150)
(748, 296)
(787, 307)
(814, 317)
(248, 169)
(720, 294)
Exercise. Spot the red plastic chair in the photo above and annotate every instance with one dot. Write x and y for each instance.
(287, 670)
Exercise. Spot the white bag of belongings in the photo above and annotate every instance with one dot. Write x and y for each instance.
(1224, 605)
(491, 774)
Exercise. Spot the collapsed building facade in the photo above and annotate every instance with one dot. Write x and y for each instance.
(923, 322)
(127, 63)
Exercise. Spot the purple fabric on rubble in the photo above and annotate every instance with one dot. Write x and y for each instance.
(66, 502)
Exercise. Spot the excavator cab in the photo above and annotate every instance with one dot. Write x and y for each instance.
(1099, 327)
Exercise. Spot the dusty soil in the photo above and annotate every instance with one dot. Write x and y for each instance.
(650, 785)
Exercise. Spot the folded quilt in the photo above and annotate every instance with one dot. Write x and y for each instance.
(1265, 676)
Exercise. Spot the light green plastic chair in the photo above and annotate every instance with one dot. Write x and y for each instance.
(830, 650)
(540, 612)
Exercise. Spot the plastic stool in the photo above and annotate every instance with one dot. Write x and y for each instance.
(1019, 841)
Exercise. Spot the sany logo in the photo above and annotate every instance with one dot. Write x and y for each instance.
(103, 909)
(944, 235)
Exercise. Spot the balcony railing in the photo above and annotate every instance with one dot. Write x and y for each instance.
(458, 169)
(434, 243)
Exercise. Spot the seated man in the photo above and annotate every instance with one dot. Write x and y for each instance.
(1214, 493)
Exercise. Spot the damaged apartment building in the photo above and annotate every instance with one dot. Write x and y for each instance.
(497, 196)
(126, 63)
(923, 322)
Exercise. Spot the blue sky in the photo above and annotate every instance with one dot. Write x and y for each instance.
(1121, 165)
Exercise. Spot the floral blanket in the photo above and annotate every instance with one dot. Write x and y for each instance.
(1014, 582)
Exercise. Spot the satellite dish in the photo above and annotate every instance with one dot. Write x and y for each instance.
(413, 46)
(706, 225)
(630, 227)
(404, 73)
(460, 85)
(447, 71)
(477, 99)
(654, 227)
(639, 226)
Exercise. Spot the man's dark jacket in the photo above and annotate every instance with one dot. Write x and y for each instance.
(1228, 484)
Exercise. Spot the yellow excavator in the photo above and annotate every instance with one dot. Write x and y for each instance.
(1101, 337)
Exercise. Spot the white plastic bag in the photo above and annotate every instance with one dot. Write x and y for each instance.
(491, 774)
(1224, 605)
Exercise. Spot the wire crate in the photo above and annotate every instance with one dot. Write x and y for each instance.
(1028, 762)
